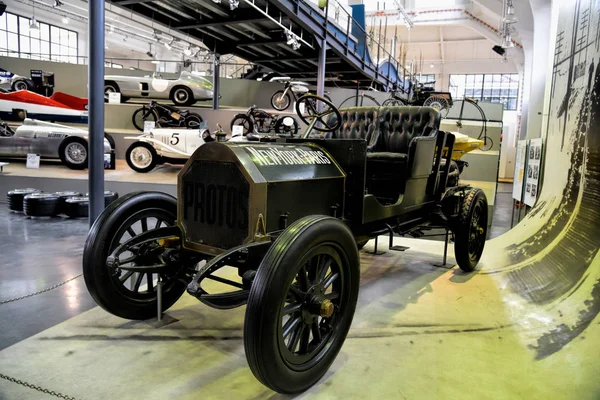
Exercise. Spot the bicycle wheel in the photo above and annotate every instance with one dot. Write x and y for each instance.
(487, 144)
(363, 100)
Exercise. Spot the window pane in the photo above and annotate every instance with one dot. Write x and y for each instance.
(3, 42)
(64, 50)
(72, 51)
(13, 43)
(72, 39)
(45, 48)
(3, 21)
(54, 34)
(64, 37)
(24, 42)
(44, 31)
(54, 49)
(35, 46)
(12, 23)
(24, 26)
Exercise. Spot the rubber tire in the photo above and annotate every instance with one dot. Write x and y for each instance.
(111, 140)
(142, 109)
(62, 196)
(61, 152)
(268, 289)
(96, 251)
(152, 164)
(279, 127)
(289, 101)
(114, 86)
(41, 205)
(188, 102)
(14, 198)
(13, 86)
(245, 117)
(461, 230)
(76, 207)
(191, 118)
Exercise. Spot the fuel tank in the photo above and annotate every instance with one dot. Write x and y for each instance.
(234, 193)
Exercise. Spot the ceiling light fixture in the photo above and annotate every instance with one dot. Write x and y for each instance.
(169, 45)
(57, 3)
(65, 20)
(509, 15)
(507, 43)
(233, 4)
(188, 50)
(34, 26)
(292, 39)
(217, 1)
(155, 62)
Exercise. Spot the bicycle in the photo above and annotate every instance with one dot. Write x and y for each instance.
(359, 101)
(487, 142)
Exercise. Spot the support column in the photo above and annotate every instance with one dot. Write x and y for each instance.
(216, 80)
(96, 109)
(321, 69)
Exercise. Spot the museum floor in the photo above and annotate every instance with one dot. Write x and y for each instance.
(420, 332)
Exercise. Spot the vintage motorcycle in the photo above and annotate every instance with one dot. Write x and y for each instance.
(165, 116)
(281, 99)
(256, 120)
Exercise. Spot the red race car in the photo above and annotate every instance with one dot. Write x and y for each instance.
(59, 107)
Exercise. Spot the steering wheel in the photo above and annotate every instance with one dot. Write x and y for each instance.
(314, 111)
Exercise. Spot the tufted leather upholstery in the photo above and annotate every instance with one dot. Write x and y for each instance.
(357, 123)
(399, 125)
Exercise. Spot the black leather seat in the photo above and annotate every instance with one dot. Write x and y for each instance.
(357, 123)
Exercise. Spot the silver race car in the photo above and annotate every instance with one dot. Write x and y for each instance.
(49, 140)
(186, 90)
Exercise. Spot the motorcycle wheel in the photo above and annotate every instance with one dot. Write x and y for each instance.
(142, 115)
(193, 121)
(243, 120)
(279, 101)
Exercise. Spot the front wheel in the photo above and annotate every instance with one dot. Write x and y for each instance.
(141, 157)
(393, 102)
(244, 121)
(301, 304)
(471, 230)
(118, 290)
(142, 115)
(182, 96)
(279, 101)
(73, 152)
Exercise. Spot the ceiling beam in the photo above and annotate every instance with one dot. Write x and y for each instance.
(128, 2)
(225, 21)
(442, 51)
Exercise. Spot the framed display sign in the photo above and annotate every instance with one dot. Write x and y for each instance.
(520, 165)
(148, 126)
(33, 161)
(534, 169)
(237, 130)
(114, 98)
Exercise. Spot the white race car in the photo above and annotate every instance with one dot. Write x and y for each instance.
(186, 90)
(161, 145)
(48, 140)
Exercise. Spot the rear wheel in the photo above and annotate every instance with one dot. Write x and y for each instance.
(470, 231)
(142, 115)
(279, 101)
(73, 152)
(301, 304)
(394, 102)
(182, 96)
(291, 128)
(141, 157)
(21, 84)
(125, 293)
(193, 121)
(244, 121)
(111, 87)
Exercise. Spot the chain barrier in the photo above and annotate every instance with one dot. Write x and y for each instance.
(41, 291)
(35, 387)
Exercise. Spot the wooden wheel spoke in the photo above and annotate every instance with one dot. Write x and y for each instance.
(297, 293)
(144, 222)
(131, 231)
(158, 222)
(290, 325)
(149, 281)
(332, 296)
(323, 269)
(126, 276)
(329, 280)
(303, 278)
(297, 335)
(138, 282)
(304, 340)
(316, 332)
(291, 308)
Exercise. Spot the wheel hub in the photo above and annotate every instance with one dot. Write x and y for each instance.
(316, 305)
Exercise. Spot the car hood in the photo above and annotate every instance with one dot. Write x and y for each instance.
(37, 122)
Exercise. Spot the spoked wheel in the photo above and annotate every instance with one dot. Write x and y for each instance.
(244, 121)
(120, 289)
(142, 115)
(470, 231)
(320, 112)
(394, 102)
(439, 103)
(193, 121)
(361, 100)
(279, 101)
(487, 144)
(301, 304)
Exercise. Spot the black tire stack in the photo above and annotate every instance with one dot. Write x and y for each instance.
(35, 203)
(15, 198)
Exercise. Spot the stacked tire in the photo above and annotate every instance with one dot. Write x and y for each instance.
(35, 203)
(15, 198)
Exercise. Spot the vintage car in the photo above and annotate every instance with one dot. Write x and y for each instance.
(162, 145)
(287, 217)
(186, 90)
(41, 82)
(60, 107)
(48, 140)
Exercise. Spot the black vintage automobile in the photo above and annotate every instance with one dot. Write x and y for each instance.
(290, 216)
